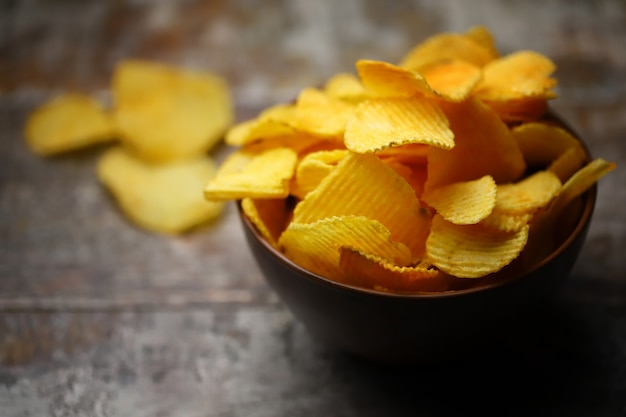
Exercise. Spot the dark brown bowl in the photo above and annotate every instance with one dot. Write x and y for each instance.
(426, 328)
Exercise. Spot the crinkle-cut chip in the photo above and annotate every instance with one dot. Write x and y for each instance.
(482, 36)
(269, 215)
(453, 80)
(531, 193)
(472, 251)
(373, 272)
(156, 106)
(522, 74)
(542, 143)
(568, 163)
(522, 110)
(466, 202)
(67, 122)
(346, 87)
(383, 79)
(264, 174)
(320, 114)
(313, 168)
(162, 198)
(386, 122)
(484, 145)
(411, 153)
(506, 221)
(446, 46)
(315, 246)
(363, 185)
(254, 130)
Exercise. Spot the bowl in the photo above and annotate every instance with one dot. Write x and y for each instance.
(424, 328)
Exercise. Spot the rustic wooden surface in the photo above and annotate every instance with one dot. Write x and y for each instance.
(98, 318)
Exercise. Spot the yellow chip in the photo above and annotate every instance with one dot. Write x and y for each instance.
(520, 110)
(522, 74)
(466, 202)
(269, 216)
(264, 174)
(313, 168)
(369, 271)
(452, 80)
(321, 115)
(363, 185)
(483, 37)
(542, 142)
(472, 251)
(568, 163)
(506, 221)
(383, 79)
(484, 145)
(315, 246)
(162, 198)
(449, 46)
(68, 122)
(346, 87)
(386, 122)
(528, 195)
(165, 113)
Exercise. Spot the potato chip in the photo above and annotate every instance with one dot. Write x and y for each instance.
(483, 37)
(453, 80)
(383, 79)
(542, 143)
(269, 215)
(472, 251)
(466, 202)
(450, 46)
(321, 115)
(362, 185)
(568, 163)
(264, 174)
(346, 87)
(315, 246)
(484, 145)
(313, 168)
(412, 153)
(68, 122)
(162, 198)
(528, 109)
(386, 122)
(506, 221)
(369, 271)
(529, 194)
(165, 113)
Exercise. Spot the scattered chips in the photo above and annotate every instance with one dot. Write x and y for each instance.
(66, 123)
(417, 177)
(163, 198)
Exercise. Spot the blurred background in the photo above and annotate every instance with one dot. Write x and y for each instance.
(100, 318)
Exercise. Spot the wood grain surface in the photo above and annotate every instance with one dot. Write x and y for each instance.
(100, 318)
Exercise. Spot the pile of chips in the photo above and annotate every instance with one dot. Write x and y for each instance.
(165, 119)
(411, 177)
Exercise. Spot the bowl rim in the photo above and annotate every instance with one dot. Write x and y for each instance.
(588, 197)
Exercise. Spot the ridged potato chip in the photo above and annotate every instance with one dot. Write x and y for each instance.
(315, 246)
(383, 79)
(321, 115)
(453, 80)
(386, 122)
(162, 198)
(346, 87)
(365, 270)
(472, 251)
(506, 221)
(542, 143)
(362, 185)
(68, 122)
(466, 202)
(313, 168)
(269, 215)
(529, 194)
(156, 105)
(568, 163)
(264, 174)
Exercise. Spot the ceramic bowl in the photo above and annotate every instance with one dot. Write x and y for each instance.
(424, 328)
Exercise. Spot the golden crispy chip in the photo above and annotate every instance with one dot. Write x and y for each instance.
(315, 246)
(264, 174)
(542, 142)
(472, 251)
(466, 202)
(568, 163)
(452, 80)
(383, 79)
(259, 129)
(482, 36)
(447, 46)
(320, 114)
(162, 198)
(269, 215)
(346, 87)
(522, 74)
(520, 110)
(165, 113)
(531, 193)
(68, 122)
(369, 271)
(313, 168)
(506, 221)
(363, 185)
(484, 145)
(412, 153)
(386, 122)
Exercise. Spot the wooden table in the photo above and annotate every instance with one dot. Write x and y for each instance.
(99, 318)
